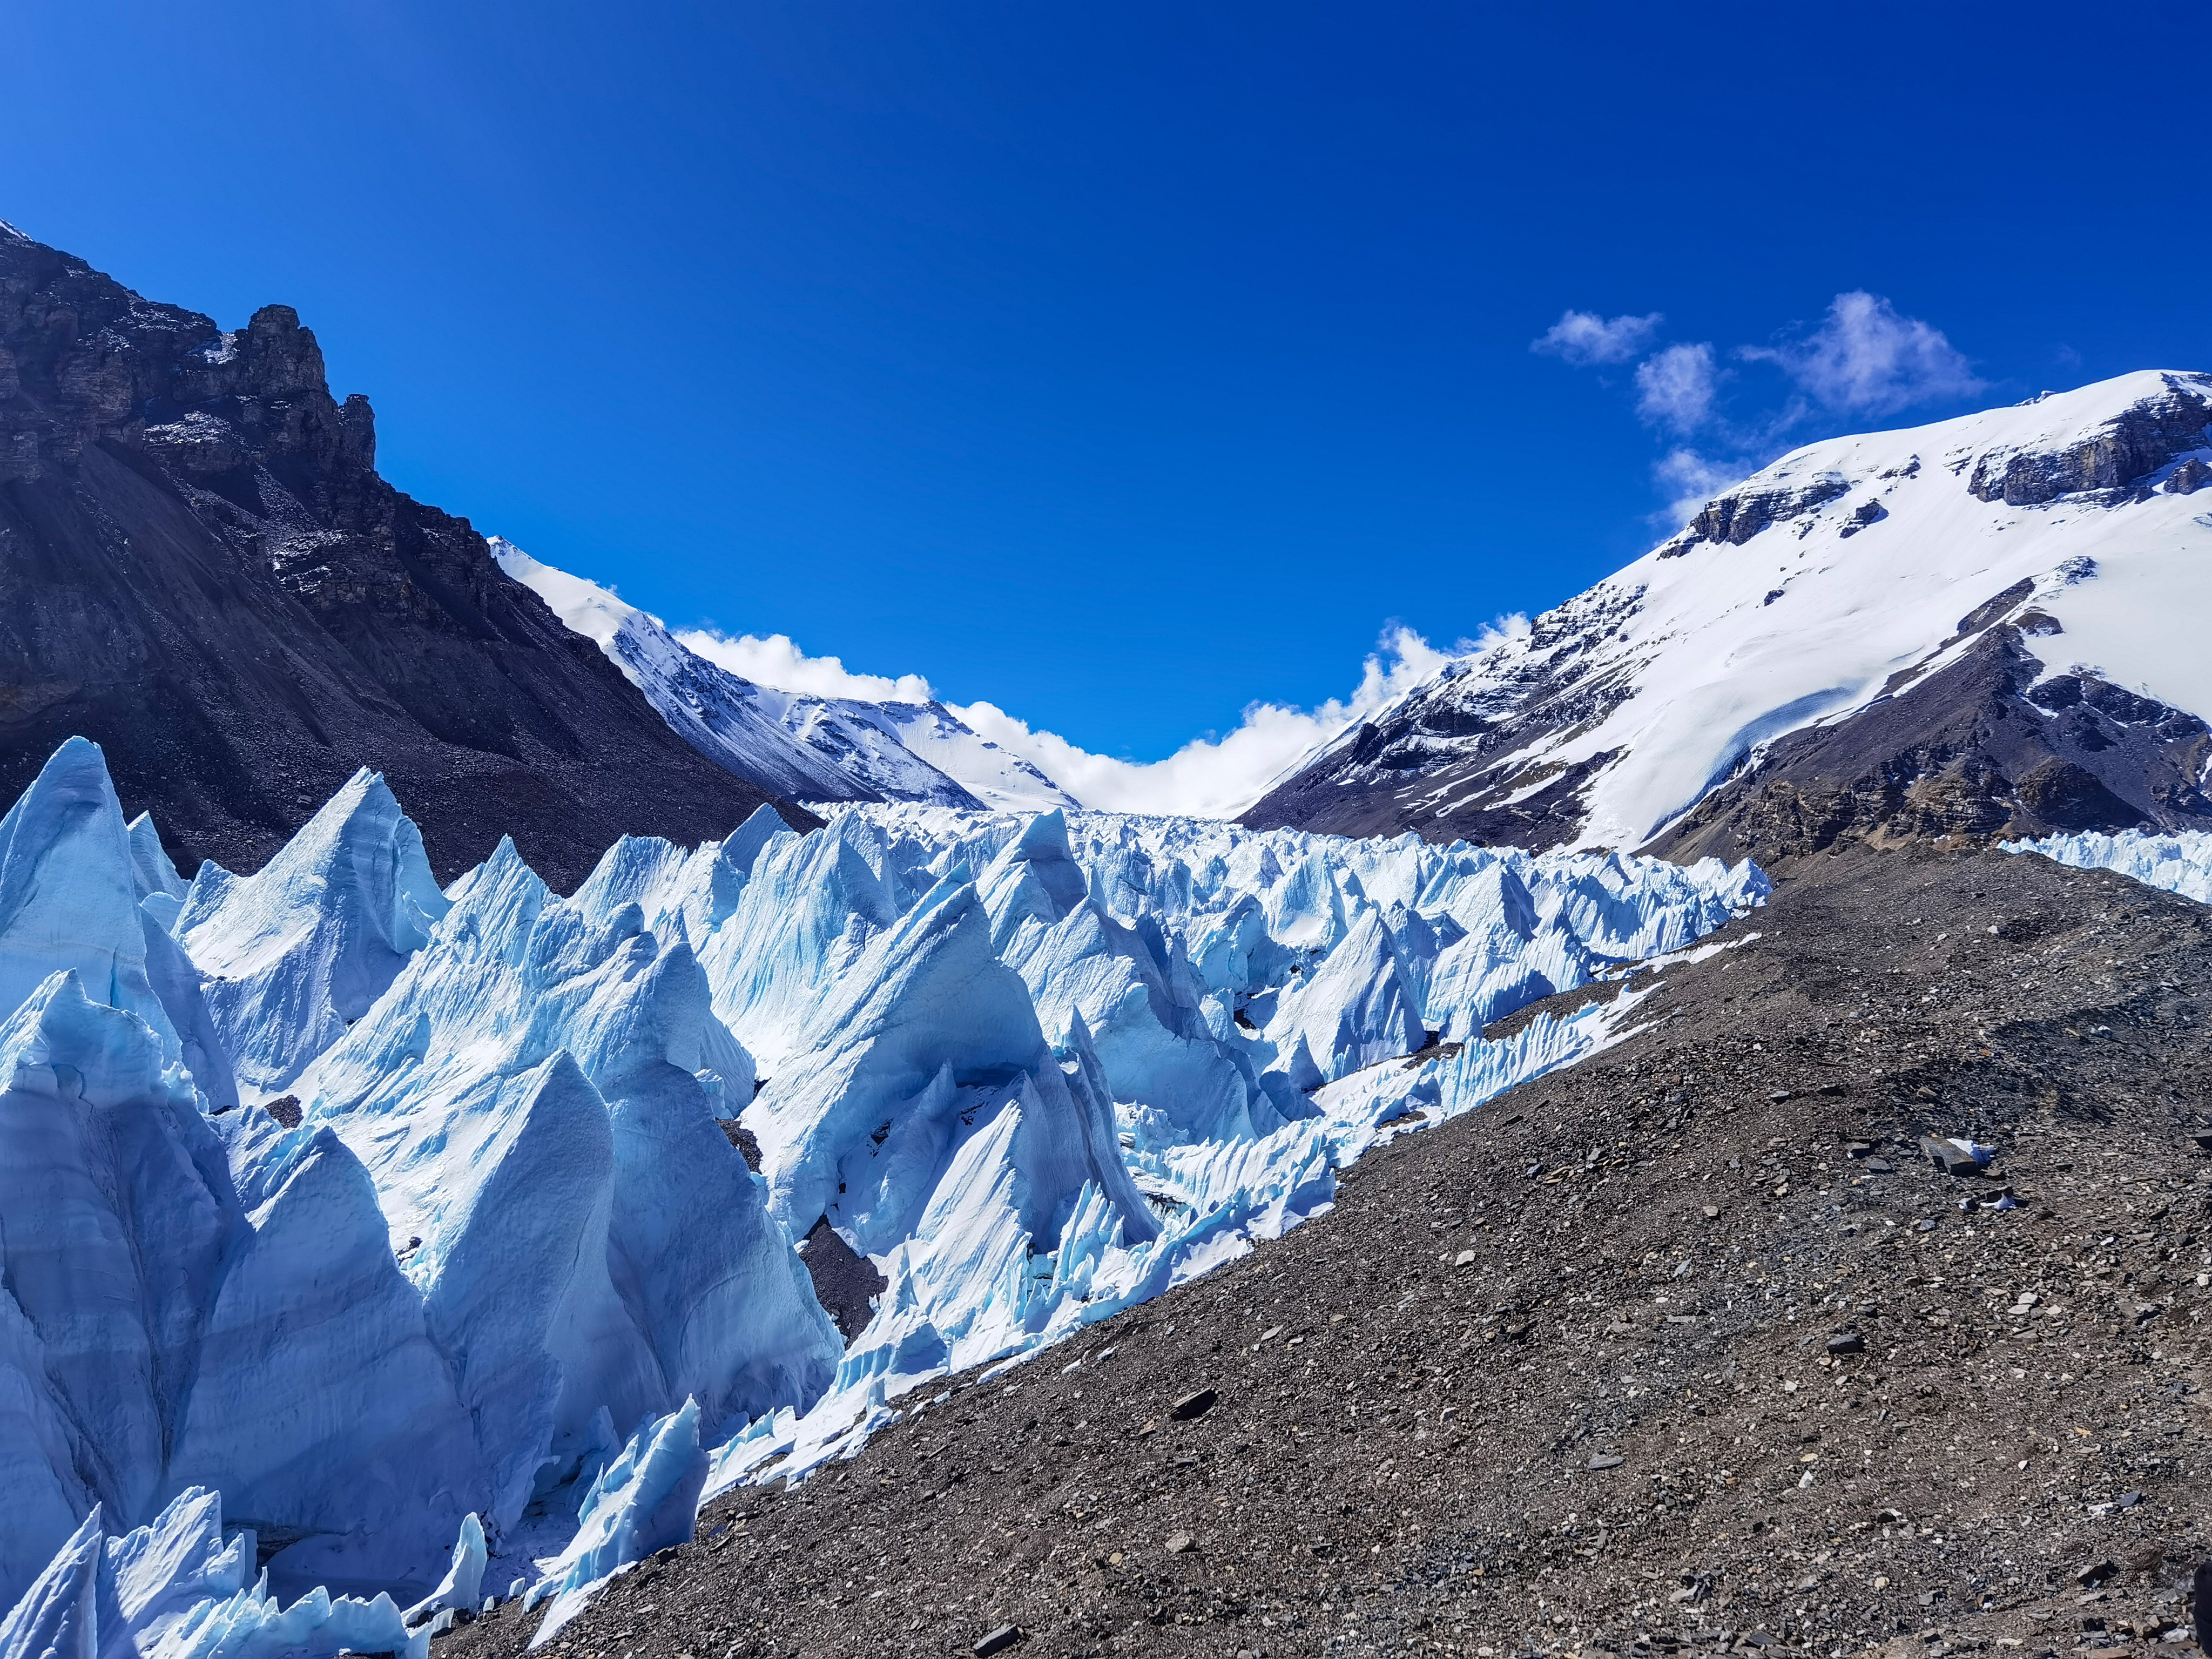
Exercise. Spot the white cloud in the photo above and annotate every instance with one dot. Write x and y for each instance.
(1207, 777)
(777, 661)
(1691, 480)
(1674, 387)
(1867, 359)
(1583, 337)
(1219, 778)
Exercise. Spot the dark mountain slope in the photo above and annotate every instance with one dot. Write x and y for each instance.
(201, 570)
(1982, 751)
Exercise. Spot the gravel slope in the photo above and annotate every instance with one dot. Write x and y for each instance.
(1556, 1378)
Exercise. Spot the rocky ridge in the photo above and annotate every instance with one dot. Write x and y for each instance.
(201, 570)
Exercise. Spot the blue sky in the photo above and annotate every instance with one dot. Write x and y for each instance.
(1124, 365)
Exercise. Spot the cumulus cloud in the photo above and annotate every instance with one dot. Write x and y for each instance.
(1866, 359)
(776, 661)
(1220, 777)
(1690, 480)
(1674, 387)
(1207, 777)
(1583, 337)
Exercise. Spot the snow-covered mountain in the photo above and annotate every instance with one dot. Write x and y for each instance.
(810, 748)
(491, 1273)
(1989, 625)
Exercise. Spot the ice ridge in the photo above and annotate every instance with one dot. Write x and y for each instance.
(2180, 862)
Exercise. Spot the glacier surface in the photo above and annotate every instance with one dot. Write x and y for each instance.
(375, 1216)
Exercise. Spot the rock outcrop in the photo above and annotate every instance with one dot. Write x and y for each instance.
(201, 570)
(2116, 457)
(1982, 751)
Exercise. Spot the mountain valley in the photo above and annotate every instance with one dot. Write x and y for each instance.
(1682, 1132)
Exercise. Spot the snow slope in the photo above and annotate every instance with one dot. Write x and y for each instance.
(805, 748)
(498, 1272)
(1834, 578)
(996, 776)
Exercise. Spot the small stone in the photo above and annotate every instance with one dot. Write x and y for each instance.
(1925, 1224)
(1712, 1211)
(1952, 1157)
(1464, 1259)
(1193, 1404)
(1604, 1460)
(1881, 1581)
(997, 1642)
(1856, 1148)
(1844, 1342)
(1178, 1542)
(1881, 1166)
(1779, 1094)
(2095, 1572)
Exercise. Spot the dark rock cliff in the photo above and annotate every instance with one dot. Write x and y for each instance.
(201, 570)
(1441, 760)
(1978, 751)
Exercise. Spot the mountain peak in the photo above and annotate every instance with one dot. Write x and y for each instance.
(822, 749)
(2040, 559)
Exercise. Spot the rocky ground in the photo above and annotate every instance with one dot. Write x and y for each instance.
(1689, 1349)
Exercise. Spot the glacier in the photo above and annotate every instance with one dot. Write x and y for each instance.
(645, 1500)
(376, 1216)
(2178, 861)
(177, 1588)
